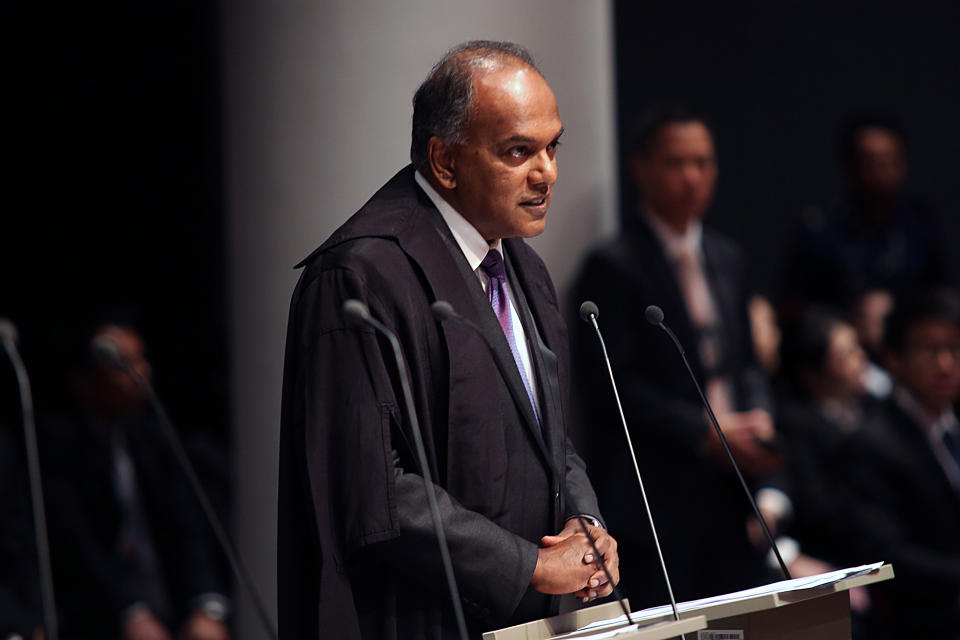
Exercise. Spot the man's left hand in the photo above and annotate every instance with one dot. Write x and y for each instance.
(597, 585)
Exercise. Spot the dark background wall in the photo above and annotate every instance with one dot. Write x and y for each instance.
(116, 195)
(778, 79)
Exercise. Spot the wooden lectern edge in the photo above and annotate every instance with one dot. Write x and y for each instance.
(551, 627)
(885, 572)
(545, 628)
(663, 630)
(564, 623)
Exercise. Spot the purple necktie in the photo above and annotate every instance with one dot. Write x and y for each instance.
(493, 266)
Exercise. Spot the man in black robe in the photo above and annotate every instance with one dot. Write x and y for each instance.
(358, 557)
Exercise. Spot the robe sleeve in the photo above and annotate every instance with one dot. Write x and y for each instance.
(351, 406)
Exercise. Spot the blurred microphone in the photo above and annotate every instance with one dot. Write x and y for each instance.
(9, 337)
(361, 313)
(589, 314)
(443, 310)
(654, 315)
(107, 352)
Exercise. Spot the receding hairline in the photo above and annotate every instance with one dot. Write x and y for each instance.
(480, 61)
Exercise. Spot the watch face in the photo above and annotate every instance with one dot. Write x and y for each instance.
(215, 610)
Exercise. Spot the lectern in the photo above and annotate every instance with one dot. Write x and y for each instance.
(814, 607)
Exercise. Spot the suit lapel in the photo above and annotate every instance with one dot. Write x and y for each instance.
(723, 292)
(530, 301)
(922, 460)
(450, 278)
(651, 261)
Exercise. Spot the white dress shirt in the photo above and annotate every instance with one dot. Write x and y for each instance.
(475, 248)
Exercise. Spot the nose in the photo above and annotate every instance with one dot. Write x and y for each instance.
(948, 357)
(543, 172)
(692, 174)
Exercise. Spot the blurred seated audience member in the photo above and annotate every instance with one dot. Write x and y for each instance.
(824, 411)
(21, 615)
(911, 471)
(873, 246)
(133, 555)
(667, 257)
(869, 317)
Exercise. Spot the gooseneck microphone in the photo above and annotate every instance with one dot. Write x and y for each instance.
(443, 310)
(360, 312)
(589, 314)
(8, 335)
(108, 352)
(654, 316)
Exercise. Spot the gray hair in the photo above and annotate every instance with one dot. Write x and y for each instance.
(443, 104)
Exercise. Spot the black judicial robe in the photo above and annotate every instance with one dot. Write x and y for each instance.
(358, 557)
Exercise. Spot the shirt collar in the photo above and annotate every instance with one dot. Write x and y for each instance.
(674, 244)
(934, 426)
(473, 245)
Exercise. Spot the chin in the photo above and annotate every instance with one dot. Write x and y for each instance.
(534, 229)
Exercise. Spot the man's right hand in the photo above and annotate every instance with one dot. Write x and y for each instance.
(745, 433)
(144, 626)
(566, 563)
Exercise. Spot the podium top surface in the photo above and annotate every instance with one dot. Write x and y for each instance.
(778, 594)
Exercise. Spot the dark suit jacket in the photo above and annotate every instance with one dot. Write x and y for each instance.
(915, 526)
(357, 552)
(94, 585)
(823, 461)
(698, 505)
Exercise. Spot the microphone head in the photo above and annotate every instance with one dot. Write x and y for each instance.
(8, 331)
(654, 314)
(587, 309)
(107, 351)
(356, 309)
(443, 310)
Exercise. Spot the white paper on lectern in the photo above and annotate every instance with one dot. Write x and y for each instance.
(797, 584)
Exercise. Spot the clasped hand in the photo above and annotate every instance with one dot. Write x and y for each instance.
(566, 563)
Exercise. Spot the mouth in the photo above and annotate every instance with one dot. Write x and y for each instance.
(535, 203)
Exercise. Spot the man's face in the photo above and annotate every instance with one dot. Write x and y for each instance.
(678, 175)
(116, 393)
(880, 167)
(506, 168)
(929, 363)
(845, 364)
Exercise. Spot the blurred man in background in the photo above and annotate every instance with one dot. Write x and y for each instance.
(132, 554)
(910, 473)
(667, 257)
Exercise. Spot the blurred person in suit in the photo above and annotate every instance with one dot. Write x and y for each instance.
(668, 257)
(132, 554)
(823, 412)
(823, 415)
(910, 472)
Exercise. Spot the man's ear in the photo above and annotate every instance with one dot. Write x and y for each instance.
(442, 162)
